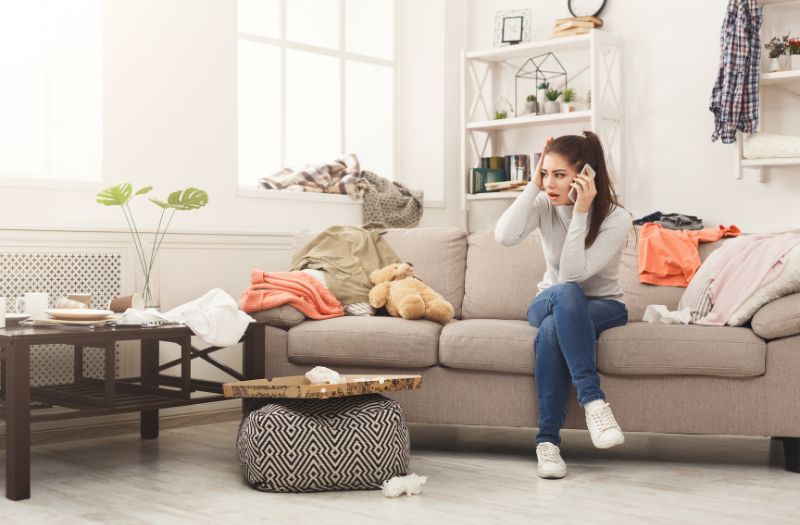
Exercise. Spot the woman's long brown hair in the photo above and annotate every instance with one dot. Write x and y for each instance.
(587, 149)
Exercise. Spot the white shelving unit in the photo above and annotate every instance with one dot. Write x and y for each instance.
(788, 81)
(601, 57)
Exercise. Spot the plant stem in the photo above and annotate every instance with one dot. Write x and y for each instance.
(154, 249)
(137, 243)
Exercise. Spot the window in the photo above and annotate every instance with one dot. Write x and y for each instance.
(315, 80)
(51, 92)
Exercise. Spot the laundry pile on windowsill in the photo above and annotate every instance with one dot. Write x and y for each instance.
(387, 202)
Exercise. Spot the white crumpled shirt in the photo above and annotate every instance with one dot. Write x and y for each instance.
(215, 317)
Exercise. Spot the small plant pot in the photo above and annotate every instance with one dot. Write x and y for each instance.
(552, 106)
(795, 61)
(532, 106)
(567, 107)
(774, 65)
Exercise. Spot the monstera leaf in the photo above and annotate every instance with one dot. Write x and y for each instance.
(188, 199)
(115, 195)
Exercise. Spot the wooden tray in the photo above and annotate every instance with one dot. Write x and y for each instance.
(299, 387)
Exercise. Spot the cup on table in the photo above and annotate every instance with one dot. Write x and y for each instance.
(34, 304)
(69, 303)
(2, 312)
(121, 304)
(85, 298)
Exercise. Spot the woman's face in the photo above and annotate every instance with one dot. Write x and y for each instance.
(557, 174)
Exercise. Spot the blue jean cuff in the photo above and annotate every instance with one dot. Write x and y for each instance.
(592, 398)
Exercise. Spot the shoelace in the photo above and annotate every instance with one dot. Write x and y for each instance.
(603, 418)
(549, 452)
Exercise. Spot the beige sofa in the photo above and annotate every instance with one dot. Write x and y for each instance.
(479, 369)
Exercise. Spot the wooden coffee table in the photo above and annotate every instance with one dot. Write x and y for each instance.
(86, 397)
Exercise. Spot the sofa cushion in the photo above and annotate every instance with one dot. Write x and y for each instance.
(501, 280)
(779, 318)
(365, 341)
(492, 345)
(438, 255)
(658, 349)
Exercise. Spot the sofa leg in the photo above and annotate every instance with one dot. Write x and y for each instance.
(791, 452)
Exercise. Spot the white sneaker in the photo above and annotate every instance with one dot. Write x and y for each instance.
(551, 466)
(602, 425)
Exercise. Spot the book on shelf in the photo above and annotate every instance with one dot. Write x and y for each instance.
(571, 32)
(507, 185)
(573, 24)
(593, 19)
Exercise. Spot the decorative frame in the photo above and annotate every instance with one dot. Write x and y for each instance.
(500, 26)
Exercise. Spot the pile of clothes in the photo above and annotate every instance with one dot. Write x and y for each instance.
(730, 285)
(328, 277)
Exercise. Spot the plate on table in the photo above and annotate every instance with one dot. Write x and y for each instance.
(15, 318)
(78, 314)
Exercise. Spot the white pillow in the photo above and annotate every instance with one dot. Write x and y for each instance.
(768, 145)
(786, 283)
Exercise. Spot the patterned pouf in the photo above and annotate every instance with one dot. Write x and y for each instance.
(310, 445)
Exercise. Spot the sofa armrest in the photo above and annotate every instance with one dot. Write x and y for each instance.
(284, 316)
(778, 318)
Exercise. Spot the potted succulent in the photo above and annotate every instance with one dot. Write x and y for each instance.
(777, 48)
(567, 98)
(794, 52)
(532, 105)
(543, 86)
(552, 105)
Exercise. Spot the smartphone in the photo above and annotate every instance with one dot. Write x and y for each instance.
(573, 193)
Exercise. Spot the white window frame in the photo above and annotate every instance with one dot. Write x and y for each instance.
(343, 55)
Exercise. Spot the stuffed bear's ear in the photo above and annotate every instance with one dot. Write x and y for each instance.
(381, 275)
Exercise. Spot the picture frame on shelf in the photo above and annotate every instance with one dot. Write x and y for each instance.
(512, 30)
(512, 27)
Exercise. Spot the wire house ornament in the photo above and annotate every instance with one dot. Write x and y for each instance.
(542, 68)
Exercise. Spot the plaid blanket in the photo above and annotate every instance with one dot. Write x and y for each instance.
(342, 175)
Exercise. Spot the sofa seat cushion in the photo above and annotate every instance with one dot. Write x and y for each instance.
(493, 345)
(365, 341)
(657, 349)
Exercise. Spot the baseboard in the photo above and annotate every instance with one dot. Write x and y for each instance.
(129, 426)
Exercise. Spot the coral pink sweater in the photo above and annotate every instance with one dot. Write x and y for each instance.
(298, 289)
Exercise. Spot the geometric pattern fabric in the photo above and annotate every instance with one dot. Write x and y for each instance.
(312, 445)
(60, 274)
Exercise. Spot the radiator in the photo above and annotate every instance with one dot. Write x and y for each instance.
(60, 274)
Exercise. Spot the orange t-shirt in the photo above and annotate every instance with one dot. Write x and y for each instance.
(670, 257)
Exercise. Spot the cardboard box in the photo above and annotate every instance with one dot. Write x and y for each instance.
(299, 387)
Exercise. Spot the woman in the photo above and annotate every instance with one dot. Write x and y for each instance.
(577, 298)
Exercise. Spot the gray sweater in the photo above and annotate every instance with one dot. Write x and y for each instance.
(563, 234)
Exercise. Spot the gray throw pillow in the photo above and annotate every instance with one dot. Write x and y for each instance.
(284, 316)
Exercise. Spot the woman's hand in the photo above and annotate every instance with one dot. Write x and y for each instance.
(537, 174)
(584, 186)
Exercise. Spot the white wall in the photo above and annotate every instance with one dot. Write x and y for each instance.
(671, 56)
(170, 121)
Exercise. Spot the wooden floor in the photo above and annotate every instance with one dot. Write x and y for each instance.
(476, 475)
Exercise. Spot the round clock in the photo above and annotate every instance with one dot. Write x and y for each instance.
(585, 7)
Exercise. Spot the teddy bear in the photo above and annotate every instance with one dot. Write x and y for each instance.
(406, 296)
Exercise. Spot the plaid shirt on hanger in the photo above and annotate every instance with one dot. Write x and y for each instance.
(734, 99)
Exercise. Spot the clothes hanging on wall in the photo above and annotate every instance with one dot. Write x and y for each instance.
(735, 97)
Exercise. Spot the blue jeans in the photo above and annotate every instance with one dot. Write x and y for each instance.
(569, 325)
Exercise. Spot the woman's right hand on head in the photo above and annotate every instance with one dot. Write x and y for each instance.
(537, 174)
